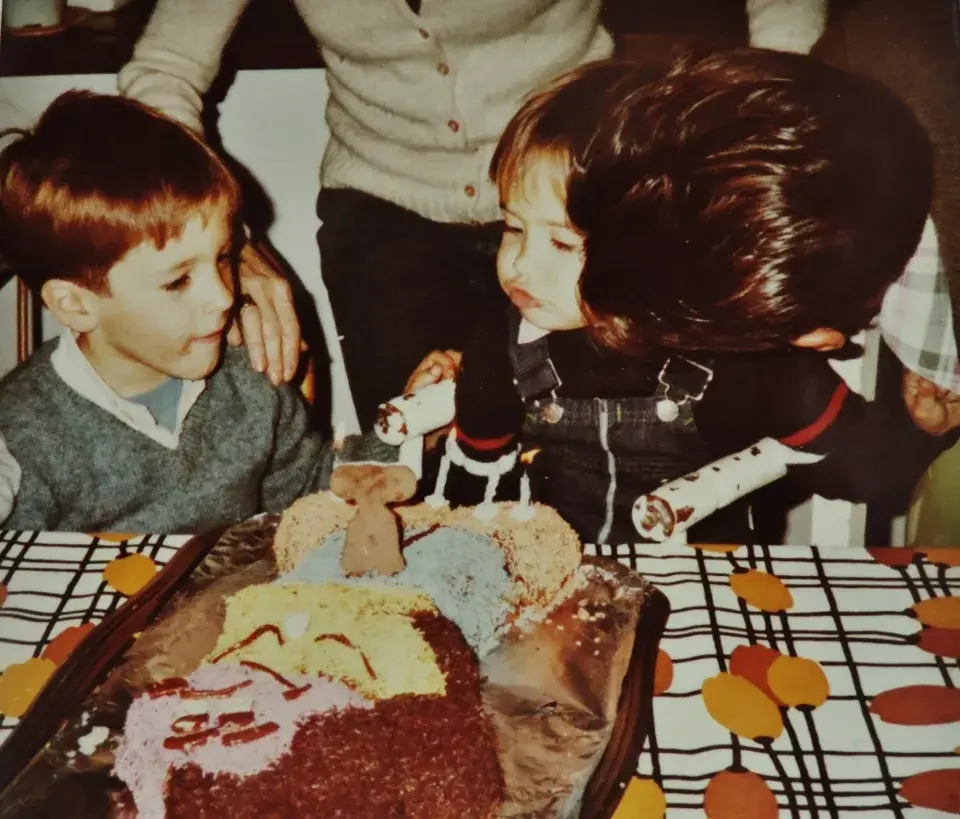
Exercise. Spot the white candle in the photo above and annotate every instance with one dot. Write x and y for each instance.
(524, 511)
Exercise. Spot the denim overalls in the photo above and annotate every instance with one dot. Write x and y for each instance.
(600, 454)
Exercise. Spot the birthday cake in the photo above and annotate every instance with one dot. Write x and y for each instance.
(318, 700)
(333, 691)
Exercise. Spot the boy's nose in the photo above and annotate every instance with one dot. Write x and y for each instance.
(220, 298)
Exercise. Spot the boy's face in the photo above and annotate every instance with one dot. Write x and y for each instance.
(541, 255)
(166, 310)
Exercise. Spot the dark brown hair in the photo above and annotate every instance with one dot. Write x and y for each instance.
(735, 201)
(96, 177)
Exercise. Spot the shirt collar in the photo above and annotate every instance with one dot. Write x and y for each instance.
(76, 371)
(530, 332)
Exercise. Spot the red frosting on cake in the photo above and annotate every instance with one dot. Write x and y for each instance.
(417, 757)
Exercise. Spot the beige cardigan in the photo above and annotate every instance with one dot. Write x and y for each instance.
(417, 102)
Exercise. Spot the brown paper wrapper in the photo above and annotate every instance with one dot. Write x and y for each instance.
(552, 687)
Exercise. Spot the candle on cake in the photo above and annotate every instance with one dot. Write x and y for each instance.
(524, 510)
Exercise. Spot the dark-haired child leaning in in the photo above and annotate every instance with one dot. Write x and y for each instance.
(711, 235)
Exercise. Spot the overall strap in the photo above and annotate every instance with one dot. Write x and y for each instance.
(533, 372)
(682, 380)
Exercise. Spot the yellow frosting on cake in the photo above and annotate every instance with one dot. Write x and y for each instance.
(362, 636)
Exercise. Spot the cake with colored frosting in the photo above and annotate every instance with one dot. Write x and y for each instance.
(318, 700)
(333, 692)
(532, 557)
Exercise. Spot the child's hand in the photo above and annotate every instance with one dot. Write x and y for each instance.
(437, 366)
(933, 409)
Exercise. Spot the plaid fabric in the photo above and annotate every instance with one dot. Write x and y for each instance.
(851, 614)
(54, 580)
(917, 317)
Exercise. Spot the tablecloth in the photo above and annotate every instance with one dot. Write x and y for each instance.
(791, 681)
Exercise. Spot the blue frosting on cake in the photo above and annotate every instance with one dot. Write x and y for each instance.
(463, 572)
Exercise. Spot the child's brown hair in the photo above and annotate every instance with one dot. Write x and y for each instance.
(98, 176)
(735, 201)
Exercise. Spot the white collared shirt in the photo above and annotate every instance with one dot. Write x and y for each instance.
(78, 373)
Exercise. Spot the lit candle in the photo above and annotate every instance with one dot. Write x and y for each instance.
(524, 510)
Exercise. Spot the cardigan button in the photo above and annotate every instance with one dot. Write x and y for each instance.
(423, 33)
(470, 191)
(443, 69)
(453, 125)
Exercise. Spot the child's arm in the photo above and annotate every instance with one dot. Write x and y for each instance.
(35, 507)
(874, 450)
(10, 476)
(301, 463)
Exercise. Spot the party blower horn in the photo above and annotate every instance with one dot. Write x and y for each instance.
(416, 413)
(676, 505)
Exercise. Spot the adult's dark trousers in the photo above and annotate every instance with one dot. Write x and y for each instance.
(400, 286)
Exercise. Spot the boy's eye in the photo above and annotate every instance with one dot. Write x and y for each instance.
(224, 258)
(177, 284)
(507, 228)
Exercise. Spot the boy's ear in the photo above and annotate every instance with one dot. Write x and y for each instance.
(72, 305)
(824, 339)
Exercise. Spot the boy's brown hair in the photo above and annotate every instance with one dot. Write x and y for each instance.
(735, 201)
(98, 176)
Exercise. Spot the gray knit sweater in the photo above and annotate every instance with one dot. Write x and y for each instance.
(245, 447)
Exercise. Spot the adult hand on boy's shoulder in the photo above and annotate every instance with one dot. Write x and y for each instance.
(933, 409)
(268, 326)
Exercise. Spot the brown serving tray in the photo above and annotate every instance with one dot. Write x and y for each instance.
(85, 669)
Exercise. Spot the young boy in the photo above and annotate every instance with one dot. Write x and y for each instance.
(682, 252)
(135, 419)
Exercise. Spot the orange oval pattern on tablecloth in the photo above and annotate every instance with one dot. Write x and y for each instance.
(942, 557)
(797, 681)
(114, 537)
(663, 673)
(918, 705)
(939, 612)
(942, 641)
(742, 708)
(717, 548)
(893, 557)
(737, 795)
(62, 646)
(21, 682)
(643, 799)
(129, 574)
(937, 790)
(761, 590)
(3, 594)
(752, 663)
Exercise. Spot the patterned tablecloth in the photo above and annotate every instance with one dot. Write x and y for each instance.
(792, 681)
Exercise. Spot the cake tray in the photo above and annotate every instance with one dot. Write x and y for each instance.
(35, 782)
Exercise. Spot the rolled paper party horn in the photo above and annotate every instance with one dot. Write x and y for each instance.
(677, 505)
(416, 413)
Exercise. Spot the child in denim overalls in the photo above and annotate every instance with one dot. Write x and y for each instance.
(681, 251)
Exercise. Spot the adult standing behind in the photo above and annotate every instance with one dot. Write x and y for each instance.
(420, 92)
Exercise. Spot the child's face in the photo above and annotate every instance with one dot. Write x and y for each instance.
(166, 310)
(541, 255)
